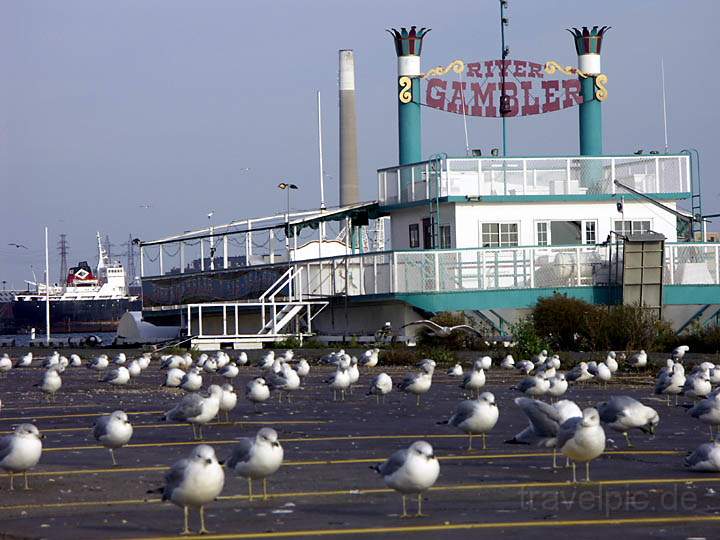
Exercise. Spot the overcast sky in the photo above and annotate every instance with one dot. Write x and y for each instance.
(189, 106)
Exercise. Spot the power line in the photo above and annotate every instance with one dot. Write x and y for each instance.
(63, 250)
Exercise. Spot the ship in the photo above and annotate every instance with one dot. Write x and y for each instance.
(88, 301)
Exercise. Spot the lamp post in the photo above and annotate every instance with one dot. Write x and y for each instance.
(285, 186)
(212, 239)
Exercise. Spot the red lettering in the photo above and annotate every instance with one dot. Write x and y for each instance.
(457, 102)
(520, 66)
(481, 95)
(489, 68)
(503, 65)
(552, 102)
(572, 93)
(511, 99)
(536, 70)
(435, 94)
(531, 104)
(473, 69)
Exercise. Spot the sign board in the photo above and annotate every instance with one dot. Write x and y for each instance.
(475, 89)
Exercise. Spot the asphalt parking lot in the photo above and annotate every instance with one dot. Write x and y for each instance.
(326, 488)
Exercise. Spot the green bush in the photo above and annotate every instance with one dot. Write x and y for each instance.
(400, 355)
(562, 321)
(527, 340)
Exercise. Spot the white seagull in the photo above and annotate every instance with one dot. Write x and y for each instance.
(113, 431)
(20, 451)
(257, 458)
(475, 417)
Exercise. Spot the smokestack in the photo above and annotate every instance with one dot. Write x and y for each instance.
(349, 186)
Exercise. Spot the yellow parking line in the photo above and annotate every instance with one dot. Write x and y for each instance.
(374, 491)
(447, 527)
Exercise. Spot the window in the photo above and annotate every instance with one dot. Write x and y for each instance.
(414, 235)
(445, 237)
(542, 234)
(499, 234)
(590, 234)
(566, 233)
(632, 227)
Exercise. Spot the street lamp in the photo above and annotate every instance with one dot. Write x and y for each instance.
(212, 247)
(287, 187)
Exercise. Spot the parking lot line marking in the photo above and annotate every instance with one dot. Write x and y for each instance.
(374, 491)
(447, 527)
(348, 461)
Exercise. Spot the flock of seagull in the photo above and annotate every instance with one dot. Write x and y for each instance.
(558, 424)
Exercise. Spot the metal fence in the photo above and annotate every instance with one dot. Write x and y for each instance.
(585, 175)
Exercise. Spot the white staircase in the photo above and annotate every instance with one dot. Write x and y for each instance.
(283, 308)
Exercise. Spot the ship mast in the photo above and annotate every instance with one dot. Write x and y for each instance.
(102, 258)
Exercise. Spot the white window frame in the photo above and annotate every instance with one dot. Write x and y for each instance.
(583, 230)
(631, 221)
(499, 224)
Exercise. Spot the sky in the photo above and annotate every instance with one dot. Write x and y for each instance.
(138, 117)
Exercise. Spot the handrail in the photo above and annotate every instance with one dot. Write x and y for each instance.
(277, 281)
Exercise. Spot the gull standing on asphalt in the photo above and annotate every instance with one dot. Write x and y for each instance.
(257, 458)
(638, 360)
(381, 385)
(303, 368)
(51, 383)
(229, 371)
(370, 358)
(113, 431)
(196, 409)
(419, 383)
(475, 417)
(340, 380)
(623, 413)
(558, 385)
(228, 400)
(117, 376)
(20, 451)
(194, 482)
(678, 353)
(474, 380)
(534, 385)
(708, 411)
(192, 381)
(455, 371)
(257, 391)
(5, 363)
(410, 471)
(670, 383)
(582, 440)
(579, 373)
(26, 360)
(508, 362)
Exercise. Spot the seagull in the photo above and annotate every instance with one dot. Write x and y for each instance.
(340, 380)
(623, 413)
(639, 359)
(192, 380)
(485, 362)
(582, 440)
(196, 409)
(508, 362)
(229, 371)
(257, 391)
(611, 361)
(286, 381)
(257, 458)
(558, 385)
(419, 383)
(370, 358)
(194, 482)
(679, 352)
(174, 378)
(99, 363)
(705, 458)
(534, 385)
(474, 380)
(118, 376)
(120, 359)
(525, 366)
(5, 363)
(475, 417)
(134, 368)
(75, 360)
(671, 383)
(697, 385)
(113, 431)
(242, 358)
(410, 471)
(303, 368)
(26, 360)
(20, 451)
(708, 411)
(23, 246)
(544, 422)
(228, 400)
(51, 383)
(381, 385)
(443, 331)
(603, 373)
(579, 373)
(455, 371)
(144, 361)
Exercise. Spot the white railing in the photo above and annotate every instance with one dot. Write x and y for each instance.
(496, 268)
(581, 175)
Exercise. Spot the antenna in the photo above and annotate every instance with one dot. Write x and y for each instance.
(505, 52)
(664, 102)
(63, 250)
(464, 114)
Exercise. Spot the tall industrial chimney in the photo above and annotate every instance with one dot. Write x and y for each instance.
(349, 186)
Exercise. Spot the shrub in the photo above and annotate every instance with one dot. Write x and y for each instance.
(401, 355)
(562, 321)
(527, 340)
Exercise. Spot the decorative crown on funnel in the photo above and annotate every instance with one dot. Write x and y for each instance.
(588, 41)
(408, 42)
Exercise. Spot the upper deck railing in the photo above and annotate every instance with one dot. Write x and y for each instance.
(533, 176)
